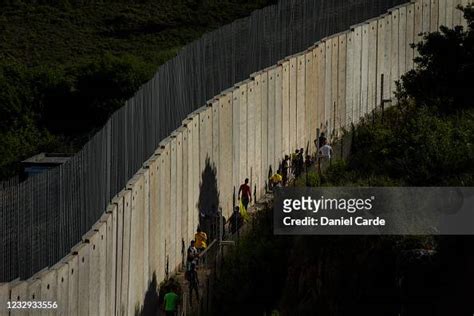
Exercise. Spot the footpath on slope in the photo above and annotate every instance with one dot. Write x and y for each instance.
(210, 263)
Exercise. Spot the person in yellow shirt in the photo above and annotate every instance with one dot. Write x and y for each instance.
(200, 240)
(276, 179)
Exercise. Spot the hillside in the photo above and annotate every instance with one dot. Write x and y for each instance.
(66, 66)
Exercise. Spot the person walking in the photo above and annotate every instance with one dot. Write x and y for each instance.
(324, 156)
(170, 302)
(235, 220)
(192, 256)
(245, 194)
(201, 240)
(193, 284)
(285, 168)
(276, 179)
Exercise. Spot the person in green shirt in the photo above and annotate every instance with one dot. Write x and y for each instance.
(171, 301)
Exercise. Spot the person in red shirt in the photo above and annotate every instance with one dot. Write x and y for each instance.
(245, 193)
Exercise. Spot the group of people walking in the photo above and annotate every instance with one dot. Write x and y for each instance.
(293, 166)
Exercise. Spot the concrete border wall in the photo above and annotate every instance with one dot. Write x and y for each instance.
(242, 132)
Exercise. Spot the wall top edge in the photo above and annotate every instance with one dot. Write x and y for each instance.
(165, 142)
(36, 277)
(241, 83)
(89, 235)
(403, 5)
(77, 247)
(354, 26)
(64, 261)
(116, 199)
(105, 217)
(14, 283)
(227, 91)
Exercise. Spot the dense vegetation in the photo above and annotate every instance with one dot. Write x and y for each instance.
(65, 66)
(426, 140)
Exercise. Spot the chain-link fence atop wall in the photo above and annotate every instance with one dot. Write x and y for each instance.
(44, 216)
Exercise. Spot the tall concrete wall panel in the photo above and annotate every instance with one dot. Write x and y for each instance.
(388, 65)
(102, 245)
(166, 157)
(418, 23)
(341, 84)
(264, 121)
(19, 292)
(118, 202)
(225, 152)
(179, 201)
(259, 177)
(111, 259)
(334, 109)
(49, 290)
(394, 71)
(380, 58)
(197, 176)
(94, 288)
(402, 35)
(243, 130)
(34, 288)
(285, 96)
(215, 136)
(410, 37)
(464, 3)
(350, 78)
(442, 12)
(457, 14)
(328, 86)
(372, 64)
(300, 102)
(310, 101)
(271, 118)
(83, 270)
(293, 106)
(251, 133)
(364, 87)
(357, 73)
(450, 13)
(235, 141)
(5, 297)
(277, 149)
(173, 214)
(434, 18)
(206, 134)
(126, 232)
(426, 25)
(184, 190)
(320, 84)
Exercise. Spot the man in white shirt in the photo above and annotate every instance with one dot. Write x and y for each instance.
(325, 151)
(324, 155)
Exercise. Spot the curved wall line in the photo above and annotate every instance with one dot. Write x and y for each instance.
(241, 132)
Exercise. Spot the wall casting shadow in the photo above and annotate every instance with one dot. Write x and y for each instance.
(151, 303)
(208, 203)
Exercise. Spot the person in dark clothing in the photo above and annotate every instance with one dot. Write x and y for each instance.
(321, 141)
(300, 161)
(235, 220)
(285, 169)
(245, 193)
(193, 283)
